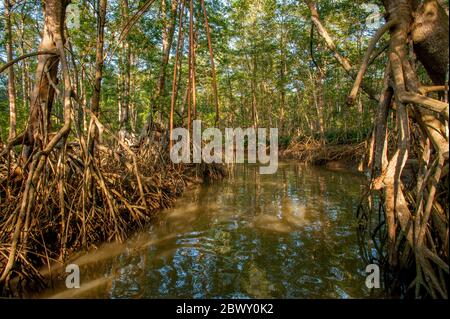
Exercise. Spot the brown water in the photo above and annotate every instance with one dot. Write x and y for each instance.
(287, 235)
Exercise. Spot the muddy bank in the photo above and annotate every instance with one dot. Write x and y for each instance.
(75, 203)
(338, 157)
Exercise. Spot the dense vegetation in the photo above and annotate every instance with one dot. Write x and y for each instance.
(105, 81)
(262, 56)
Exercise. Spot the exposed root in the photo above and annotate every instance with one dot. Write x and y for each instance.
(403, 216)
(313, 151)
(68, 201)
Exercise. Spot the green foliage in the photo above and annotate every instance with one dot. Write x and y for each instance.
(284, 141)
(262, 54)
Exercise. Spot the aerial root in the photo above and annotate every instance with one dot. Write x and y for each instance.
(68, 200)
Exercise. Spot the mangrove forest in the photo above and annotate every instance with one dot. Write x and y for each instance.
(202, 149)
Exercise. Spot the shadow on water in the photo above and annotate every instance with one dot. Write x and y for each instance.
(287, 235)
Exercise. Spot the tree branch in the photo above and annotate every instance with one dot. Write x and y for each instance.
(373, 42)
(343, 61)
(25, 56)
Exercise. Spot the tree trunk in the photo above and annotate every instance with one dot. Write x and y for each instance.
(430, 46)
(11, 77)
(46, 77)
(124, 76)
(95, 100)
(317, 82)
(192, 101)
(254, 68)
(168, 33)
(167, 40)
(25, 70)
(132, 104)
(283, 72)
(83, 99)
(213, 66)
(408, 218)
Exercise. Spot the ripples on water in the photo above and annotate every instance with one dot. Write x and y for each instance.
(288, 235)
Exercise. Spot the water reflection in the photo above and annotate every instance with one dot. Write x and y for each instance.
(288, 235)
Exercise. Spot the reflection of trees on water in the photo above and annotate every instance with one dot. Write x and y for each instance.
(284, 235)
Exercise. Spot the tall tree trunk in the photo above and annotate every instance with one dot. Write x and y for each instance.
(124, 75)
(78, 111)
(167, 40)
(283, 70)
(213, 66)
(95, 100)
(318, 99)
(132, 92)
(83, 99)
(46, 77)
(192, 102)
(254, 104)
(39, 122)
(25, 70)
(11, 78)
(169, 20)
(175, 81)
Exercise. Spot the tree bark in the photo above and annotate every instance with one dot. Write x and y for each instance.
(25, 70)
(124, 76)
(11, 77)
(168, 33)
(430, 46)
(167, 40)
(213, 66)
(43, 92)
(95, 100)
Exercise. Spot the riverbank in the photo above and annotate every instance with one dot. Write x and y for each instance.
(291, 234)
(334, 156)
(77, 204)
(125, 192)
